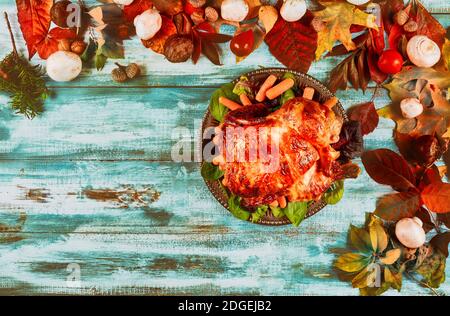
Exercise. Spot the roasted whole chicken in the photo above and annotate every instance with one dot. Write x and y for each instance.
(285, 154)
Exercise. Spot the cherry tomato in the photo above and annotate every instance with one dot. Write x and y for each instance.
(242, 44)
(390, 62)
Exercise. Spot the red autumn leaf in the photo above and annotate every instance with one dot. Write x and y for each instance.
(430, 175)
(197, 48)
(340, 50)
(393, 207)
(214, 37)
(388, 10)
(34, 19)
(436, 197)
(427, 24)
(367, 115)
(169, 7)
(50, 43)
(293, 43)
(387, 167)
(211, 51)
(440, 242)
(137, 7)
(156, 43)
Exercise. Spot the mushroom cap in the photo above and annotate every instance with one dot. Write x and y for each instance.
(234, 10)
(123, 2)
(410, 233)
(357, 2)
(422, 51)
(148, 24)
(293, 10)
(64, 66)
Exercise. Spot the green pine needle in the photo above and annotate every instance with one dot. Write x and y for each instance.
(25, 84)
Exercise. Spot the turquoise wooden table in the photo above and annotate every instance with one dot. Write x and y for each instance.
(89, 192)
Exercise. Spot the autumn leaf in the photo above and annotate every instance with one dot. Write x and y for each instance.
(135, 8)
(389, 168)
(378, 237)
(393, 279)
(34, 19)
(391, 256)
(440, 242)
(367, 115)
(351, 262)
(293, 43)
(338, 17)
(360, 239)
(427, 24)
(393, 207)
(50, 43)
(436, 196)
(156, 43)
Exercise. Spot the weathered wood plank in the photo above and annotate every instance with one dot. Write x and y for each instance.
(159, 72)
(127, 124)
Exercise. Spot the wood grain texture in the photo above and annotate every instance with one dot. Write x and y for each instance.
(92, 182)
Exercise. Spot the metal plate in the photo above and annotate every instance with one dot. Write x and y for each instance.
(303, 80)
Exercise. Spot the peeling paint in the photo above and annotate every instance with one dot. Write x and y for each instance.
(125, 196)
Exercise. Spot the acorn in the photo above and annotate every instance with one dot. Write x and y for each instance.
(133, 70)
(119, 74)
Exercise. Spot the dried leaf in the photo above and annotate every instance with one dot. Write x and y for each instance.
(440, 242)
(391, 257)
(427, 24)
(393, 207)
(340, 50)
(394, 279)
(214, 37)
(34, 19)
(436, 196)
(351, 262)
(211, 51)
(367, 115)
(338, 18)
(389, 168)
(293, 43)
(366, 278)
(360, 239)
(378, 237)
(136, 8)
(268, 15)
(156, 43)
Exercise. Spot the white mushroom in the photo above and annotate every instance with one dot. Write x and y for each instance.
(411, 107)
(357, 2)
(64, 66)
(293, 10)
(123, 2)
(148, 24)
(410, 233)
(422, 51)
(234, 10)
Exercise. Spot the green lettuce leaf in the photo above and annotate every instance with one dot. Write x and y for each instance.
(234, 205)
(259, 213)
(218, 111)
(211, 172)
(295, 212)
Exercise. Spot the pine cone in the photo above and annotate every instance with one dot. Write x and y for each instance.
(178, 49)
(133, 70)
(119, 75)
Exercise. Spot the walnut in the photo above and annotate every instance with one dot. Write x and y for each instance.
(178, 49)
(211, 14)
(198, 17)
(411, 26)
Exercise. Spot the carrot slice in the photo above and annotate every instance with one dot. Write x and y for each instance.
(308, 93)
(330, 102)
(282, 201)
(280, 88)
(244, 99)
(268, 83)
(229, 104)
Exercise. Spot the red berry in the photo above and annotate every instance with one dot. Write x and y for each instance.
(390, 62)
(242, 44)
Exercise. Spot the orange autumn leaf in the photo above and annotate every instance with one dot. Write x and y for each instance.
(49, 44)
(34, 20)
(156, 43)
(169, 7)
(436, 197)
(135, 8)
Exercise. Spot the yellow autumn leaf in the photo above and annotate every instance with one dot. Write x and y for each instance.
(338, 17)
(394, 279)
(446, 54)
(378, 237)
(351, 262)
(268, 15)
(391, 256)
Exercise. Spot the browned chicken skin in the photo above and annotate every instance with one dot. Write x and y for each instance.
(286, 153)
